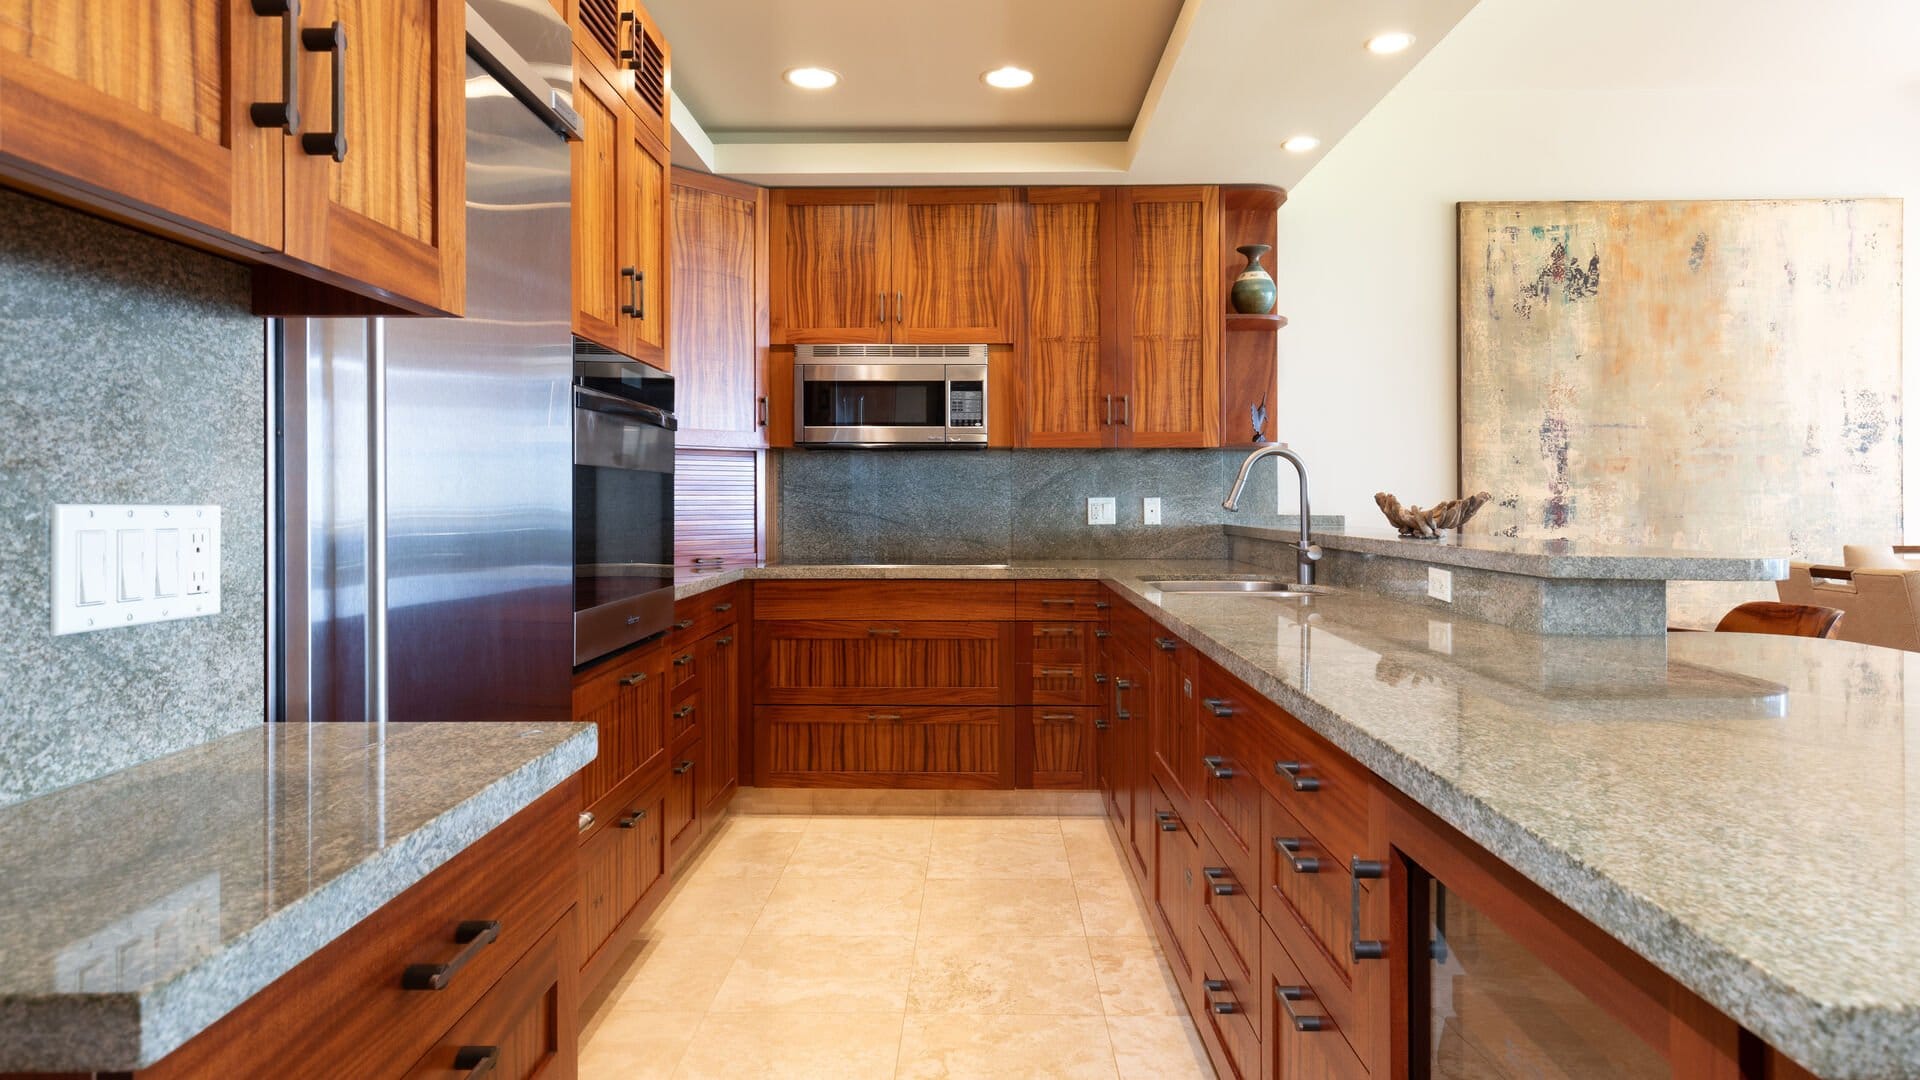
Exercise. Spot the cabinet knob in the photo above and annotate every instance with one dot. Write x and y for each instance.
(586, 820)
(683, 660)
(684, 624)
(683, 712)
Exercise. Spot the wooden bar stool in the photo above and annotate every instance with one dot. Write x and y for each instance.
(1770, 617)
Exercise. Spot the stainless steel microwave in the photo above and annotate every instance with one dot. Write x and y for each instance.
(890, 396)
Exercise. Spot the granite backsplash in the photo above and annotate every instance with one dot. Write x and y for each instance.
(903, 506)
(131, 371)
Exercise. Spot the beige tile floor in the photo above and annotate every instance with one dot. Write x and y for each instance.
(852, 947)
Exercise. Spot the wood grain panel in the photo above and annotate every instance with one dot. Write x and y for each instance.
(683, 819)
(1062, 746)
(889, 600)
(951, 256)
(719, 311)
(645, 222)
(827, 266)
(720, 735)
(1175, 895)
(1230, 801)
(1232, 1037)
(1065, 378)
(1057, 600)
(1249, 363)
(895, 663)
(626, 698)
(1168, 374)
(623, 874)
(528, 1018)
(1289, 1052)
(597, 295)
(1315, 898)
(907, 747)
(716, 507)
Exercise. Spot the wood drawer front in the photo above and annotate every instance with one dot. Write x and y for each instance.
(623, 867)
(697, 616)
(1305, 883)
(940, 601)
(913, 747)
(1176, 885)
(1321, 1054)
(1228, 906)
(526, 1024)
(626, 698)
(1082, 601)
(886, 663)
(683, 665)
(1061, 684)
(1321, 787)
(1230, 802)
(1232, 1037)
(1062, 746)
(520, 874)
(683, 803)
(683, 718)
(1058, 642)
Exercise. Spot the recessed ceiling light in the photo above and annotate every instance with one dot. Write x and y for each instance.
(812, 78)
(1390, 43)
(1008, 78)
(1300, 144)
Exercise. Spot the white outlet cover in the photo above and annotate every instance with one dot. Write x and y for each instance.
(1150, 510)
(1440, 584)
(1101, 510)
(1440, 636)
(188, 589)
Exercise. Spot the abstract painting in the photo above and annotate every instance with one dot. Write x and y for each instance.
(1715, 376)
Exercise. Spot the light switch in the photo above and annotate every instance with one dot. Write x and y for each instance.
(136, 563)
(91, 558)
(166, 562)
(1100, 510)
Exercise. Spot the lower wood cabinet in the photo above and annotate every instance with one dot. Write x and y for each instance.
(884, 662)
(1174, 897)
(1062, 742)
(524, 1027)
(1301, 1038)
(623, 870)
(883, 746)
(626, 698)
(683, 803)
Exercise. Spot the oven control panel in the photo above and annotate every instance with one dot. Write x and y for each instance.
(966, 405)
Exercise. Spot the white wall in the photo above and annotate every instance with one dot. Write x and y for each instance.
(1553, 99)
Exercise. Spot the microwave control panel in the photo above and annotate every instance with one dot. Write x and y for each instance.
(967, 405)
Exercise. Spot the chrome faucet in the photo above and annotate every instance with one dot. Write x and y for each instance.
(1309, 552)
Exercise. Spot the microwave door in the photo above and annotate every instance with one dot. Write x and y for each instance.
(871, 404)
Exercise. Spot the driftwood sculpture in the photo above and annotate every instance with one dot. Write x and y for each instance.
(1418, 524)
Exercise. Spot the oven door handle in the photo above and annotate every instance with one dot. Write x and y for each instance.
(602, 402)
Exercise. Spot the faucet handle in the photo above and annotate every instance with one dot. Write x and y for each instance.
(1311, 552)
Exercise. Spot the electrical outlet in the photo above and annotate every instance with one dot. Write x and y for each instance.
(1150, 510)
(116, 566)
(1440, 636)
(1440, 584)
(1101, 510)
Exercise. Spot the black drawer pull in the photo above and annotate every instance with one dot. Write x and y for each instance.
(1058, 717)
(631, 819)
(1056, 631)
(1166, 643)
(683, 660)
(1364, 949)
(1100, 725)
(683, 712)
(890, 631)
(715, 559)
(1056, 673)
(477, 1061)
(1055, 601)
(1224, 1007)
(1103, 633)
(1218, 767)
(1100, 677)
(1122, 684)
(682, 768)
(1170, 826)
(1290, 846)
(1101, 605)
(1217, 706)
(884, 716)
(333, 143)
(1301, 1022)
(1222, 880)
(1214, 986)
(285, 113)
(723, 642)
(683, 624)
(723, 607)
(1291, 770)
(1226, 889)
(475, 934)
(634, 679)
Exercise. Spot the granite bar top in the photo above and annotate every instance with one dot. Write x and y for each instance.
(1743, 811)
(139, 908)
(1542, 558)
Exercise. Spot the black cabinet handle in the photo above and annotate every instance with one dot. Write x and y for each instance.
(1222, 880)
(890, 631)
(683, 624)
(682, 768)
(640, 290)
(763, 412)
(1057, 601)
(724, 642)
(683, 660)
(477, 1061)
(285, 113)
(683, 712)
(1289, 846)
(1217, 706)
(333, 40)
(1100, 725)
(629, 32)
(1214, 986)
(717, 560)
(632, 306)
(634, 679)
(1166, 644)
(884, 716)
(1224, 1007)
(1291, 770)
(1101, 605)
(1301, 1021)
(1058, 717)
(1103, 633)
(723, 607)
(1364, 949)
(631, 819)
(1123, 684)
(474, 934)
(1218, 767)
(1100, 677)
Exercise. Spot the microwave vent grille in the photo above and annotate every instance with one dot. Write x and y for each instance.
(893, 352)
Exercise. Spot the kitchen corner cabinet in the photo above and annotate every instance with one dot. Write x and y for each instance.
(620, 222)
(719, 256)
(903, 266)
(159, 116)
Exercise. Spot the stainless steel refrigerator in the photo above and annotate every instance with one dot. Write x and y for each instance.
(423, 540)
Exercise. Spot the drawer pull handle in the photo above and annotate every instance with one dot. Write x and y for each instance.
(1218, 767)
(1217, 706)
(1168, 822)
(1291, 770)
(1056, 673)
(1101, 605)
(724, 642)
(476, 1061)
(1215, 986)
(1301, 1022)
(683, 712)
(723, 607)
(1290, 847)
(1100, 677)
(632, 819)
(1058, 717)
(890, 631)
(1123, 684)
(1364, 949)
(332, 39)
(474, 935)
(714, 559)
(285, 113)
(683, 624)
(1056, 601)
(1224, 1007)
(1222, 880)
(1056, 631)
(682, 768)
(1100, 725)
(634, 679)
(683, 660)
(586, 820)
(1170, 826)
(1166, 643)
(1103, 633)
(1226, 889)
(884, 716)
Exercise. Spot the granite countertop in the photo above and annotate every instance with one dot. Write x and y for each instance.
(139, 908)
(1540, 558)
(1741, 810)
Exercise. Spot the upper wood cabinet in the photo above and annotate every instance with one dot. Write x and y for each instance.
(915, 266)
(620, 223)
(1066, 376)
(623, 43)
(719, 311)
(1168, 375)
(162, 114)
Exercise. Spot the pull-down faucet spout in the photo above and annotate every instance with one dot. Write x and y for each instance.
(1309, 552)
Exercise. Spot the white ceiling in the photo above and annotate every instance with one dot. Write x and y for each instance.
(1140, 91)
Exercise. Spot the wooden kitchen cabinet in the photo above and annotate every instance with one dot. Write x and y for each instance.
(898, 746)
(913, 266)
(719, 323)
(522, 1028)
(624, 872)
(884, 662)
(620, 224)
(1167, 377)
(720, 698)
(625, 47)
(148, 116)
(626, 698)
(1066, 377)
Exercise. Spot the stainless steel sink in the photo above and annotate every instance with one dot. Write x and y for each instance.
(1243, 588)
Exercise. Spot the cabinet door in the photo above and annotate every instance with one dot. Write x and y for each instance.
(1127, 802)
(1175, 884)
(836, 662)
(720, 774)
(622, 43)
(1173, 744)
(1168, 374)
(148, 101)
(599, 290)
(524, 1027)
(719, 304)
(391, 211)
(1065, 377)
(950, 251)
(827, 265)
(1062, 746)
(883, 747)
(684, 820)
(627, 699)
(643, 217)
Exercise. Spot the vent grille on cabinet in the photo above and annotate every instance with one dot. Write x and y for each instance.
(602, 20)
(893, 352)
(650, 71)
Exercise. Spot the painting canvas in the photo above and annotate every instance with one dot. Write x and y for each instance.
(1715, 376)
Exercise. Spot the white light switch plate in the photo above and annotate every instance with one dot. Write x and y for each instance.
(1440, 584)
(127, 565)
(1101, 511)
(1150, 510)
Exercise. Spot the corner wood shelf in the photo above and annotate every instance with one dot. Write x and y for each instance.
(1237, 321)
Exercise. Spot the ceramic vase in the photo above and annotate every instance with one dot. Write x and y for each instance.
(1253, 291)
